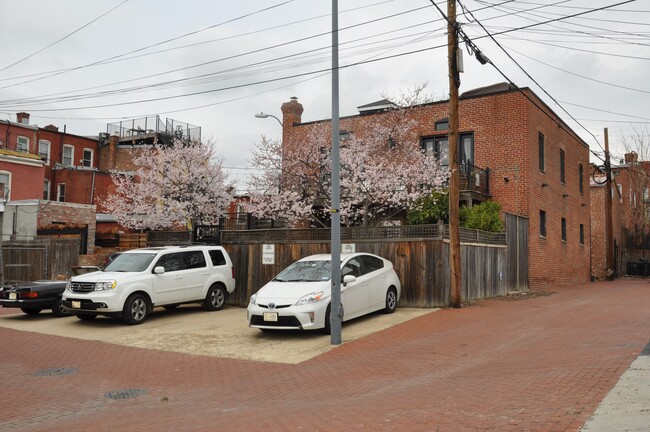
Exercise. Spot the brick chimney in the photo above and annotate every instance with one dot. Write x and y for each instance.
(108, 154)
(23, 117)
(291, 112)
(631, 158)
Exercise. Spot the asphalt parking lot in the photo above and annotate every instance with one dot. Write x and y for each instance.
(191, 330)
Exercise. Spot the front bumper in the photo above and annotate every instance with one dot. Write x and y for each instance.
(102, 302)
(308, 317)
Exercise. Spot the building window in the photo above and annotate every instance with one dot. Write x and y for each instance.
(580, 179)
(5, 185)
(68, 155)
(439, 146)
(46, 190)
(60, 193)
(542, 223)
(563, 229)
(44, 150)
(87, 160)
(22, 144)
(442, 125)
(540, 145)
(562, 177)
(582, 234)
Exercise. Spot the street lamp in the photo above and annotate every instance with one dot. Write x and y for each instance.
(262, 115)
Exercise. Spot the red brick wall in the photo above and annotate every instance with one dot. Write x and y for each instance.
(26, 179)
(505, 127)
(72, 215)
(598, 240)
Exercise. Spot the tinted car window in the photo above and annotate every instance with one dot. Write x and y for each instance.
(352, 267)
(217, 257)
(171, 262)
(371, 263)
(193, 259)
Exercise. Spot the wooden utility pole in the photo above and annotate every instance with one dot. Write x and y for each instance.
(609, 231)
(454, 83)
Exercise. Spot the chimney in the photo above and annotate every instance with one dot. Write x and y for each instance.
(51, 127)
(23, 117)
(291, 112)
(108, 154)
(631, 158)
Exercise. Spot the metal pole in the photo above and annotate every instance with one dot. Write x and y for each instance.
(609, 230)
(454, 232)
(336, 310)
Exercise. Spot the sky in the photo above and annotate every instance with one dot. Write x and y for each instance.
(213, 63)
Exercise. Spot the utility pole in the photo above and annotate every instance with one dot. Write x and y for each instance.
(454, 83)
(336, 310)
(608, 208)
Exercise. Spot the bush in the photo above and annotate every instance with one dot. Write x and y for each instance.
(430, 209)
(485, 217)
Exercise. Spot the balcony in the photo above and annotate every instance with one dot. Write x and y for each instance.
(474, 184)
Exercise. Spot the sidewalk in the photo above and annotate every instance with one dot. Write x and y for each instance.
(540, 364)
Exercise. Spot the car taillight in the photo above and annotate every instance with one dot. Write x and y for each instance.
(28, 294)
(233, 272)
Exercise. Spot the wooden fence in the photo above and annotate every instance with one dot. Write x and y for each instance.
(421, 264)
(42, 258)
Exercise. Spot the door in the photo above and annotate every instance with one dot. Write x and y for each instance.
(375, 275)
(195, 275)
(354, 295)
(168, 287)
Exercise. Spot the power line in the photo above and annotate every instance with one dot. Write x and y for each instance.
(63, 38)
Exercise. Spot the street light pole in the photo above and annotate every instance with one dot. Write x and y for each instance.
(262, 115)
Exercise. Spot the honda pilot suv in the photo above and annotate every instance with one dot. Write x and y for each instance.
(136, 281)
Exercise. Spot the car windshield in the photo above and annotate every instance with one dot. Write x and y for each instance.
(306, 271)
(130, 262)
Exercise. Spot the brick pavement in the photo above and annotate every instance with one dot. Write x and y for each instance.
(541, 364)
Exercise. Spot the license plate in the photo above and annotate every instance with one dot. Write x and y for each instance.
(76, 304)
(13, 296)
(271, 316)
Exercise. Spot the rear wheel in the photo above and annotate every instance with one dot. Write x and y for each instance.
(31, 311)
(391, 300)
(215, 299)
(136, 309)
(57, 309)
(86, 317)
(327, 329)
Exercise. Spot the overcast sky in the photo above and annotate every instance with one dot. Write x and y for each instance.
(215, 63)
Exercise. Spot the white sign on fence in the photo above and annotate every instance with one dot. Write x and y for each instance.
(268, 254)
(348, 248)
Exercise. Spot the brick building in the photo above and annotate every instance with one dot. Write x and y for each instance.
(530, 162)
(599, 268)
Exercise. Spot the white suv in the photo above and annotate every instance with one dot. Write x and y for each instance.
(138, 280)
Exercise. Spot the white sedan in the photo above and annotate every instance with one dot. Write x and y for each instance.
(300, 296)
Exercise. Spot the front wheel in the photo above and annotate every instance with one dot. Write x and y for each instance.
(215, 299)
(391, 300)
(31, 311)
(136, 309)
(57, 309)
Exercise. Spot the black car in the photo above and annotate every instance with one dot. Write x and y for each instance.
(33, 297)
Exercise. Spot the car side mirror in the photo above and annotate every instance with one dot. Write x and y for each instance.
(348, 278)
(159, 270)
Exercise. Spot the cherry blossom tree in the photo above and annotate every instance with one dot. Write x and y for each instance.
(177, 185)
(383, 172)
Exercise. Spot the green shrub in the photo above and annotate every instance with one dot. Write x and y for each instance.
(430, 209)
(485, 216)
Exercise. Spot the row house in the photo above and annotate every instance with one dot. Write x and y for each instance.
(515, 150)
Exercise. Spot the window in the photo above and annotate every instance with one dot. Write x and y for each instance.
(217, 257)
(439, 146)
(352, 267)
(580, 179)
(542, 223)
(44, 150)
(540, 144)
(46, 190)
(582, 234)
(87, 160)
(371, 264)
(60, 192)
(562, 177)
(22, 144)
(68, 155)
(5, 185)
(563, 229)
(442, 124)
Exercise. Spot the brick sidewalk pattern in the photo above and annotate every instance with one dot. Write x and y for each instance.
(540, 364)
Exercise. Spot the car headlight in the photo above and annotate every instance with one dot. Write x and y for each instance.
(253, 297)
(310, 298)
(68, 286)
(105, 285)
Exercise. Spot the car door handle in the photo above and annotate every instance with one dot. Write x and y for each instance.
(178, 277)
(205, 273)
